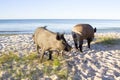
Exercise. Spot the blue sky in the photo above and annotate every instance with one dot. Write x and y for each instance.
(59, 9)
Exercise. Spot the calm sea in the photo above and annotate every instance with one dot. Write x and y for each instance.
(20, 26)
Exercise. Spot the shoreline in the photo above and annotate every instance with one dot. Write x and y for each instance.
(20, 42)
(109, 30)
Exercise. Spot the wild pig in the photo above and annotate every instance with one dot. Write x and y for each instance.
(49, 41)
(81, 32)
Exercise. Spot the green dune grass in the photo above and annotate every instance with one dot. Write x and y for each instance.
(29, 67)
(107, 40)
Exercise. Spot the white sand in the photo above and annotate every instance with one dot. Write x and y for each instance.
(101, 62)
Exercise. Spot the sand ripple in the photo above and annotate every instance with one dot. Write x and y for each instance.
(101, 62)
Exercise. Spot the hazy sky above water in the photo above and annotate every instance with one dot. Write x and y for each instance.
(59, 9)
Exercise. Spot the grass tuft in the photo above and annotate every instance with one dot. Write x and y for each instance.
(8, 57)
(107, 40)
(28, 67)
(32, 56)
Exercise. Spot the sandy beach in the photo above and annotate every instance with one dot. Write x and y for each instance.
(101, 62)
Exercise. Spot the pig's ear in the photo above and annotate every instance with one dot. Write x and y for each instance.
(62, 35)
(32, 35)
(45, 27)
(95, 29)
(58, 36)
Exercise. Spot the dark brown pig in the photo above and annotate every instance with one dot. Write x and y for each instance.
(49, 41)
(81, 32)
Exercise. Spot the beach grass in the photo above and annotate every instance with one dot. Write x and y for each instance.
(28, 67)
(107, 39)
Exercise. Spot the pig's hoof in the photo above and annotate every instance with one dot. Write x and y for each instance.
(50, 59)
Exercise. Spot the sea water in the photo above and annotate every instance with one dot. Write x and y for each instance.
(21, 26)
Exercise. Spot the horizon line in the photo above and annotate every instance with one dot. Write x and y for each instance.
(53, 18)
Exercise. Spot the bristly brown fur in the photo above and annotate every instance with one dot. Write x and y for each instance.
(81, 32)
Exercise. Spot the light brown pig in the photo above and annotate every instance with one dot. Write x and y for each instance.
(81, 32)
(49, 41)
